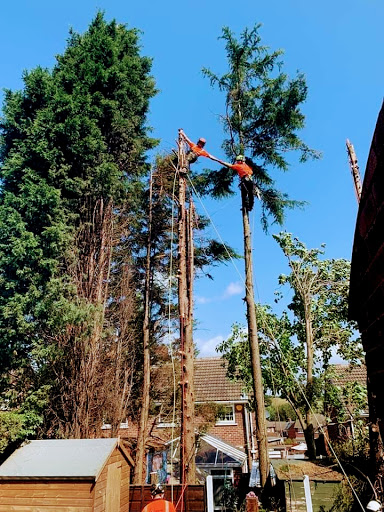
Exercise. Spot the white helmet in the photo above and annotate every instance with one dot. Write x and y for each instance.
(374, 505)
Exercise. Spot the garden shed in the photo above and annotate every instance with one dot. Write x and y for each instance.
(66, 475)
(324, 484)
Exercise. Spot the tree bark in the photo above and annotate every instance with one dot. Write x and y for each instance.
(309, 433)
(187, 435)
(258, 391)
(138, 477)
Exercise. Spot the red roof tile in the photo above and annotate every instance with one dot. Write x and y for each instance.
(212, 383)
(345, 373)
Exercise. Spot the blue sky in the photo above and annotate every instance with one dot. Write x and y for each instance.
(337, 45)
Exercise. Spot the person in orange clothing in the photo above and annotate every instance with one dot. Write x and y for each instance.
(195, 150)
(245, 173)
(158, 503)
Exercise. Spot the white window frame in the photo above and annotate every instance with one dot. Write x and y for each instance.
(222, 422)
(108, 426)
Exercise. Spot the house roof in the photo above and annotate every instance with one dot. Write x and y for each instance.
(59, 458)
(279, 426)
(345, 373)
(293, 469)
(212, 383)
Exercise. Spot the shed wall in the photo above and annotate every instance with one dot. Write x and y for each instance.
(100, 490)
(322, 494)
(49, 495)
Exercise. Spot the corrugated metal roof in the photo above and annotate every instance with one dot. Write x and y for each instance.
(224, 447)
(63, 458)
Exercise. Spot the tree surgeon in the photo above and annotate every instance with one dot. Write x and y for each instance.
(195, 150)
(158, 503)
(245, 173)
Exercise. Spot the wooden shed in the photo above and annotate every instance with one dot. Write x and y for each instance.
(67, 475)
(324, 484)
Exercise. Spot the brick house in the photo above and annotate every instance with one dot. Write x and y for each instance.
(366, 299)
(225, 442)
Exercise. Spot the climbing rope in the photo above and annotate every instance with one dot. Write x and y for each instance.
(281, 353)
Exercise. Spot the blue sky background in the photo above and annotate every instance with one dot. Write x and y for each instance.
(337, 45)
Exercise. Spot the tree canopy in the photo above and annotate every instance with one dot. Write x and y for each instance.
(72, 152)
(261, 120)
(297, 345)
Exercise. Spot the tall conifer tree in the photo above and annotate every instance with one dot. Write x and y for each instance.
(73, 145)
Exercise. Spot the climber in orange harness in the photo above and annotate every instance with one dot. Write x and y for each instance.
(158, 503)
(195, 150)
(245, 173)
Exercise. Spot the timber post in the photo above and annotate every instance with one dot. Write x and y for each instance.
(354, 170)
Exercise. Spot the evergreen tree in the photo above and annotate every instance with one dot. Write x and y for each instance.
(262, 117)
(73, 145)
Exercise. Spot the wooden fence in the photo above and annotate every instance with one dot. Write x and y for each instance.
(194, 497)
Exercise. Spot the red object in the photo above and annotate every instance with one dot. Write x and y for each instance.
(159, 505)
(242, 169)
(198, 150)
(252, 504)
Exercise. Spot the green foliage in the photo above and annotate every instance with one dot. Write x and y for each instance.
(72, 154)
(262, 118)
(229, 497)
(344, 498)
(320, 289)
(320, 296)
(282, 412)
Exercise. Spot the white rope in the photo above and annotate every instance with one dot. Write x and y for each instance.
(282, 354)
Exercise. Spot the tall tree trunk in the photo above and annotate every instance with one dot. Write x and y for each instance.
(185, 296)
(258, 391)
(142, 434)
(189, 358)
(309, 433)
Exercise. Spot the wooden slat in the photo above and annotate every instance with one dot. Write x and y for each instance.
(17, 508)
(45, 501)
(36, 493)
(194, 497)
(50, 484)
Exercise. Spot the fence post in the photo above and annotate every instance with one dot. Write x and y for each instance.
(307, 491)
(209, 487)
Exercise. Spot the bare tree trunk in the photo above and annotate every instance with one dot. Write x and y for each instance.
(189, 357)
(141, 438)
(258, 391)
(185, 296)
(309, 433)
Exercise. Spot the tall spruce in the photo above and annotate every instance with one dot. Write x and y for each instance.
(73, 145)
(262, 117)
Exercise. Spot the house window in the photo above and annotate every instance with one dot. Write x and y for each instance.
(226, 415)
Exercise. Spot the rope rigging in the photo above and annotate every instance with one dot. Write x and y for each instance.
(182, 164)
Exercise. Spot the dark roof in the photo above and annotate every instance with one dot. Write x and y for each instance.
(345, 373)
(279, 425)
(212, 383)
